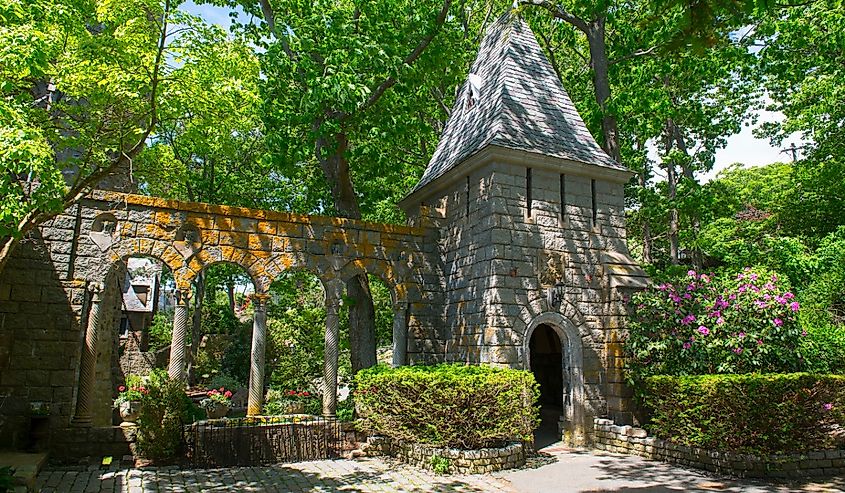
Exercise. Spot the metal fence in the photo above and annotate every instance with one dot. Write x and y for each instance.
(262, 440)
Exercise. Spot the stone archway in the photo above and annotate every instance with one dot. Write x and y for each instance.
(563, 394)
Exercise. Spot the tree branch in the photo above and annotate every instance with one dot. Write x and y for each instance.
(634, 54)
(410, 59)
(559, 13)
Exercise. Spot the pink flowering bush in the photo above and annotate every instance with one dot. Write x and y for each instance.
(747, 322)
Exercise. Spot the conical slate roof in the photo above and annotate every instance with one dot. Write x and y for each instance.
(520, 104)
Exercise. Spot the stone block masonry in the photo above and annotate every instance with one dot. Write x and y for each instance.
(481, 461)
(60, 292)
(635, 441)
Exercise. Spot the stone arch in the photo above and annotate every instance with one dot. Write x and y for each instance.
(255, 267)
(279, 263)
(159, 250)
(574, 398)
(381, 269)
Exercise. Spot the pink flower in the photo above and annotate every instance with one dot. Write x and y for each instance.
(738, 350)
(788, 295)
(759, 342)
(794, 306)
(703, 330)
(803, 333)
(828, 406)
(227, 394)
(688, 319)
(742, 335)
(687, 345)
(778, 322)
(121, 388)
(720, 321)
(691, 273)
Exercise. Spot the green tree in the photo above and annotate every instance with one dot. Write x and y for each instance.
(81, 82)
(350, 90)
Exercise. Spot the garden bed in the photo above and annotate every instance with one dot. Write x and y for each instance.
(451, 460)
(635, 441)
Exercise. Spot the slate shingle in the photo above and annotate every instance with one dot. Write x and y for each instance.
(522, 105)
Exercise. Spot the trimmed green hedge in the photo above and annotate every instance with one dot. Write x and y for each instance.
(755, 413)
(448, 405)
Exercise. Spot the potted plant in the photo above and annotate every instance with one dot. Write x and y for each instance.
(295, 401)
(128, 400)
(217, 403)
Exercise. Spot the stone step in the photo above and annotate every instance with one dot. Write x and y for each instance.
(26, 466)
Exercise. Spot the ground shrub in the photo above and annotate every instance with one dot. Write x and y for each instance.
(165, 410)
(754, 413)
(741, 323)
(448, 405)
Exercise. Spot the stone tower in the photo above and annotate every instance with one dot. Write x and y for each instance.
(530, 212)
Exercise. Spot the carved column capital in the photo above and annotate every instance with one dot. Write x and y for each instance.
(182, 296)
(96, 289)
(259, 300)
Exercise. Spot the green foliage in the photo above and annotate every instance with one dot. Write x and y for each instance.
(236, 359)
(774, 413)
(161, 330)
(440, 465)
(7, 479)
(164, 411)
(745, 322)
(448, 405)
(225, 381)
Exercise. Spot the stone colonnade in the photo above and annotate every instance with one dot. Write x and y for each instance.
(188, 237)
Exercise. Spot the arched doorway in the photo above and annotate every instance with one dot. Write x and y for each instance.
(546, 358)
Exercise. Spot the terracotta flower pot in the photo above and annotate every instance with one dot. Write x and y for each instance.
(295, 408)
(129, 411)
(217, 410)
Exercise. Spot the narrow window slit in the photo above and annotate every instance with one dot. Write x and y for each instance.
(563, 197)
(528, 198)
(593, 193)
(467, 195)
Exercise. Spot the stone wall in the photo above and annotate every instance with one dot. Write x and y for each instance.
(44, 304)
(635, 441)
(499, 263)
(459, 461)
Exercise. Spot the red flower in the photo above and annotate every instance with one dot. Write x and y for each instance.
(227, 394)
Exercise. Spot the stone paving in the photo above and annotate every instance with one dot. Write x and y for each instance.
(362, 475)
(558, 470)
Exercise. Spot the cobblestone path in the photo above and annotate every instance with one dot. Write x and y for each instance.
(362, 475)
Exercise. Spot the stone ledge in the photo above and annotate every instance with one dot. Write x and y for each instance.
(461, 461)
(635, 441)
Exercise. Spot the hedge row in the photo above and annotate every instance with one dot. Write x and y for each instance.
(448, 405)
(755, 413)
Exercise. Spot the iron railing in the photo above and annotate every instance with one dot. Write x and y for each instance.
(255, 441)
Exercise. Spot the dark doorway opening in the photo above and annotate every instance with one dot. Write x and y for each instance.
(547, 367)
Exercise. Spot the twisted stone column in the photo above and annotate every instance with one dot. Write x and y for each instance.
(400, 334)
(178, 361)
(330, 364)
(88, 362)
(259, 344)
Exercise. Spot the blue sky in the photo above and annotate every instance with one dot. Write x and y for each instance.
(741, 148)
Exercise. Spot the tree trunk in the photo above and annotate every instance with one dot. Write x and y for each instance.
(362, 325)
(230, 292)
(601, 84)
(672, 187)
(647, 242)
